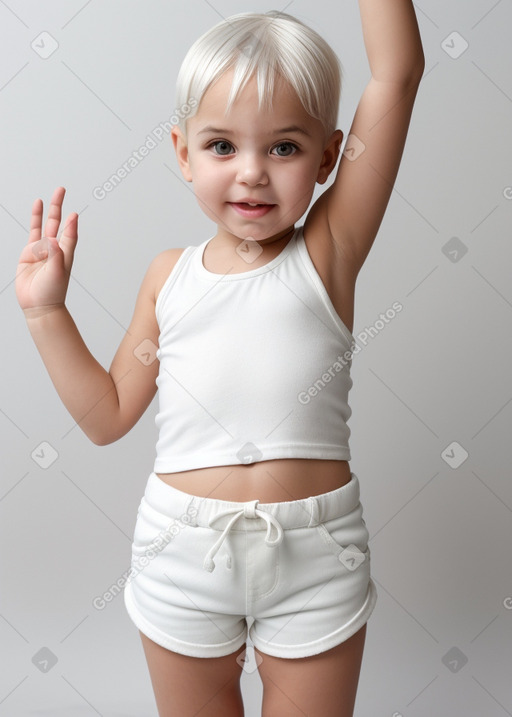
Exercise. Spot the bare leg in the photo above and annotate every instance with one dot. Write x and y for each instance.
(323, 685)
(194, 686)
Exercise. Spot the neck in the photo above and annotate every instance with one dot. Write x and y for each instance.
(225, 238)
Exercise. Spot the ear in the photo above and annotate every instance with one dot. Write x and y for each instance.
(180, 145)
(330, 156)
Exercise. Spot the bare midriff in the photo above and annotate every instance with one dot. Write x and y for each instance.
(270, 481)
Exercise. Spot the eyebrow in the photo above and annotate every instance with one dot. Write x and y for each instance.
(284, 130)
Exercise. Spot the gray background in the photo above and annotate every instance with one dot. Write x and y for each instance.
(438, 373)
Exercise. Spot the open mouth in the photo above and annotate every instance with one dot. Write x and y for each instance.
(252, 204)
(251, 210)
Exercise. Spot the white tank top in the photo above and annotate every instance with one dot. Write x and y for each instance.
(253, 366)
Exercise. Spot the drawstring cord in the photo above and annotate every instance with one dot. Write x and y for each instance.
(249, 511)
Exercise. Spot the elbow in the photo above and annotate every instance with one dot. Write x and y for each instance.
(412, 81)
(413, 69)
(413, 77)
(107, 430)
(421, 71)
(102, 438)
(405, 77)
(418, 69)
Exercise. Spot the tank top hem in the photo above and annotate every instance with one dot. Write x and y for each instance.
(211, 460)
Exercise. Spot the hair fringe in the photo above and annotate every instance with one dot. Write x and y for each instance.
(267, 46)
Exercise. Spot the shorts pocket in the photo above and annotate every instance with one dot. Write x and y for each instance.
(346, 538)
(154, 530)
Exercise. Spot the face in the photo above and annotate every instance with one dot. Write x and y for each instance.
(246, 156)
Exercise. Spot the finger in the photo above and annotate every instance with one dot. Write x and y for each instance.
(69, 239)
(54, 213)
(70, 227)
(36, 221)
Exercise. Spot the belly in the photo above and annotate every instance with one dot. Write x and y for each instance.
(271, 481)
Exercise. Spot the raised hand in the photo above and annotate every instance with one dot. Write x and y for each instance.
(44, 266)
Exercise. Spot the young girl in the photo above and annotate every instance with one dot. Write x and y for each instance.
(252, 510)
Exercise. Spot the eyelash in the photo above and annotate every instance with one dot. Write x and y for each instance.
(279, 144)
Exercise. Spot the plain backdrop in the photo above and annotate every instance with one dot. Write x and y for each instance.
(432, 392)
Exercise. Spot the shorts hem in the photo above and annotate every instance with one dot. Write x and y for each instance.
(324, 643)
(172, 643)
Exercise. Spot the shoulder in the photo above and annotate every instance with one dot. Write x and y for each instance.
(159, 270)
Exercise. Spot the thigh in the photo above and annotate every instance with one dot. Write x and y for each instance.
(188, 686)
(323, 685)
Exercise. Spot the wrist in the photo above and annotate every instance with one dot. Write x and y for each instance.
(36, 312)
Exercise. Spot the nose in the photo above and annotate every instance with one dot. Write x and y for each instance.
(251, 169)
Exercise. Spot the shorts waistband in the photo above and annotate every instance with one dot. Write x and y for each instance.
(306, 512)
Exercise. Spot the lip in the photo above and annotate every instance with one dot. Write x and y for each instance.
(250, 200)
(251, 212)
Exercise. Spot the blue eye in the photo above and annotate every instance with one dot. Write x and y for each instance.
(288, 145)
(223, 144)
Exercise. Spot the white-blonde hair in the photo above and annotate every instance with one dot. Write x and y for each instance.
(264, 45)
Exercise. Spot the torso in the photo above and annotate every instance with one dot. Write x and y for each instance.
(290, 478)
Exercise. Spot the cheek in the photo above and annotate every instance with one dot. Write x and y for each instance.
(300, 180)
(206, 177)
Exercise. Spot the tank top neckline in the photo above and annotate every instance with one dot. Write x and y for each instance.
(204, 273)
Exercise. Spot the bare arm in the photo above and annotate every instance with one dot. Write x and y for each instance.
(392, 40)
(358, 198)
(105, 404)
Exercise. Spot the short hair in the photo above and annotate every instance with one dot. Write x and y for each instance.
(264, 45)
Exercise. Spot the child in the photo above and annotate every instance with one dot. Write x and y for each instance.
(252, 509)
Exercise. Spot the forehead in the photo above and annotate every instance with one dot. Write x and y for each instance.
(286, 105)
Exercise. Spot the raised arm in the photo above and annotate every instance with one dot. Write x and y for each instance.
(357, 200)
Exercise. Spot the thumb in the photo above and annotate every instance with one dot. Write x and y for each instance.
(68, 240)
(55, 253)
(54, 250)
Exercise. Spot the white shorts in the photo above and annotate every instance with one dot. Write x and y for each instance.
(200, 567)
